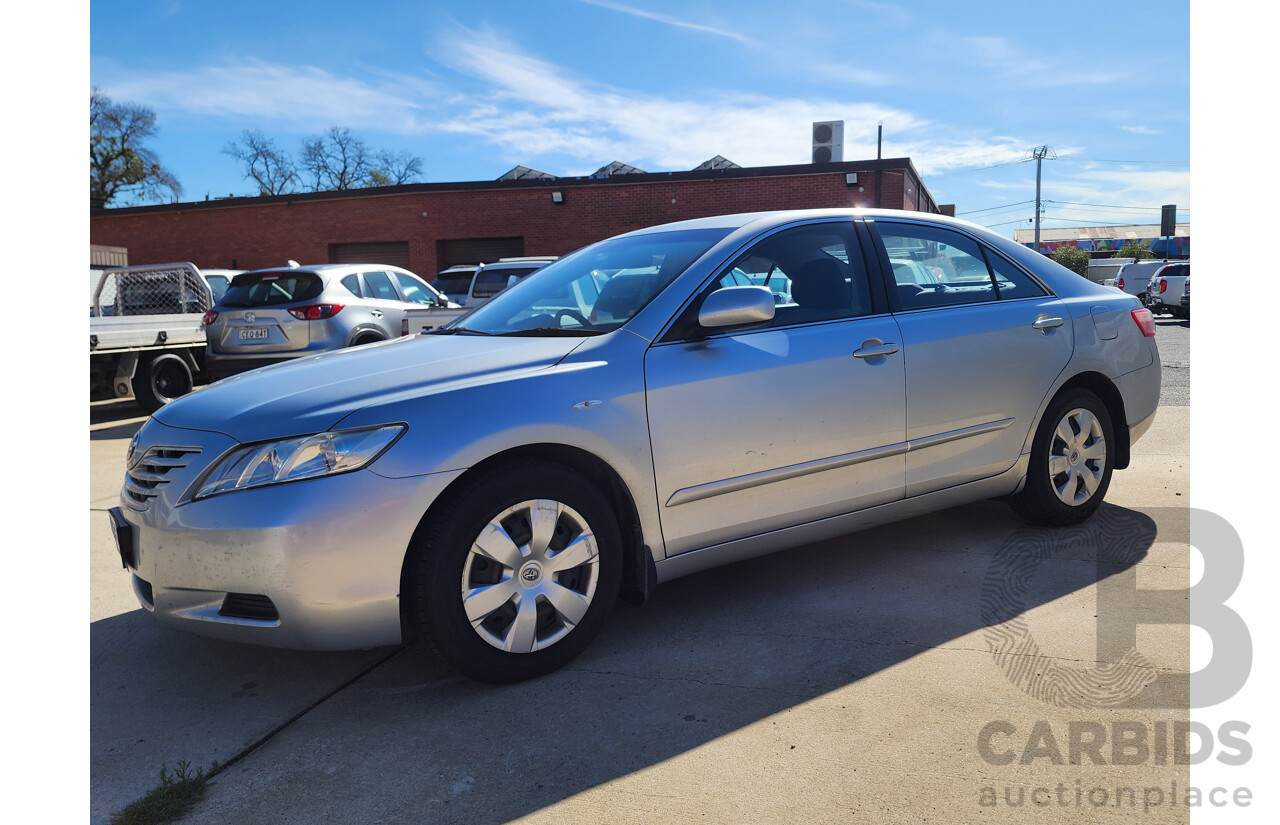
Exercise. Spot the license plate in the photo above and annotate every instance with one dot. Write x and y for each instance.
(254, 334)
(124, 535)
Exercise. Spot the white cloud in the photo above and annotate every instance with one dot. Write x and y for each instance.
(1122, 186)
(670, 21)
(535, 108)
(302, 97)
(1140, 130)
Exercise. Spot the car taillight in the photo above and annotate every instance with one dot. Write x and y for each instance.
(1142, 317)
(1164, 284)
(1120, 283)
(315, 312)
(404, 327)
(210, 317)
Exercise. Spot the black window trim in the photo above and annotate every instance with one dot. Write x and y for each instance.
(886, 270)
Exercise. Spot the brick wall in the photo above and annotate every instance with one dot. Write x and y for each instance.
(251, 233)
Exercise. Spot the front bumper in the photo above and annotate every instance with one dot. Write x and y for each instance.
(312, 564)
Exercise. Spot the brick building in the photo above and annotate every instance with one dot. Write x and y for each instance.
(427, 227)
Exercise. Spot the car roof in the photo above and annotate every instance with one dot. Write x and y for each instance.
(326, 270)
(778, 217)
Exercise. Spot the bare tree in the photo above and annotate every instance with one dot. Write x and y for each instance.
(119, 164)
(336, 160)
(395, 168)
(268, 166)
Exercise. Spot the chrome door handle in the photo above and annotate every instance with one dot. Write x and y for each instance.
(1046, 322)
(378, 313)
(872, 349)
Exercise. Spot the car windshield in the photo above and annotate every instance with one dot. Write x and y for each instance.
(594, 290)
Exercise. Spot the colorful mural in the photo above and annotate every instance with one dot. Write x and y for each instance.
(1177, 247)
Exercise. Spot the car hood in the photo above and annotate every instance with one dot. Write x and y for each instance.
(313, 393)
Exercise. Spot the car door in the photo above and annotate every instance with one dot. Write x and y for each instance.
(386, 305)
(794, 420)
(981, 348)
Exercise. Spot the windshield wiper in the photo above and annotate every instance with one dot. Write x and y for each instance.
(551, 332)
(457, 331)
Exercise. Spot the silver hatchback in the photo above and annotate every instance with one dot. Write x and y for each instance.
(650, 406)
(273, 315)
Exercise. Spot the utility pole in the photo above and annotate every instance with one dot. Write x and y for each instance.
(1040, 153)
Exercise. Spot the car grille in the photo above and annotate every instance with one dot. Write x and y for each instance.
(143, 481)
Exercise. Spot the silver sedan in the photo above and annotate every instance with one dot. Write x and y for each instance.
(656, 404)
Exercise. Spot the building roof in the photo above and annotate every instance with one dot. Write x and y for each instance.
(506, 182)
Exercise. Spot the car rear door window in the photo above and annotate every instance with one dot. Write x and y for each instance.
(935, 267)
(380, 286)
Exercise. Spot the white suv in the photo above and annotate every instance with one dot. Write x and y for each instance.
(474, 284)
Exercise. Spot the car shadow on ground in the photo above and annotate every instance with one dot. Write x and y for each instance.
(710, 654)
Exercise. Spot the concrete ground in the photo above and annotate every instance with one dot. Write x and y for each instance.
(849, 680)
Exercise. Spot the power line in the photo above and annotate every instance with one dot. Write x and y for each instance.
(1130, 162)
(1114, 206)
(995, 208)
(1078, 220)
(983, 168)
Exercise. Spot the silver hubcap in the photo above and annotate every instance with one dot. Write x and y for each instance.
(1077, 457)
(530, 576)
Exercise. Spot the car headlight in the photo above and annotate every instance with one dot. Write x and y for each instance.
(292, 459)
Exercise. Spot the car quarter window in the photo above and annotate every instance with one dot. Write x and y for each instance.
(815, 272)
(352, 284)
(1011, 282)
(414, 291)
(380, 286)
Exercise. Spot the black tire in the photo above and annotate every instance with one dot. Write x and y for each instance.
(447, 562)
(1043, 496)
(160, 380)
(366, 338)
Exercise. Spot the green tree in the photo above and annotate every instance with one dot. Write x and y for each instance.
(1136, 250)
(120, 166)
(1077, 260)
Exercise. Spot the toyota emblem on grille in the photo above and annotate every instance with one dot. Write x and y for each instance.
(249, 317)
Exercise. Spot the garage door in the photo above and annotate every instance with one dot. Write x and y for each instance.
(477, 250)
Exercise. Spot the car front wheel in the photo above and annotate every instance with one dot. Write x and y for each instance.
(1071, 461)
(517, 572)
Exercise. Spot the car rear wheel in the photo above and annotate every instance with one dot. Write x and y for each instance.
(1071, 461)
(514, 577)
(161, 380)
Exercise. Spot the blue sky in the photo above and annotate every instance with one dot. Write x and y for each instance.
(965, 90)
